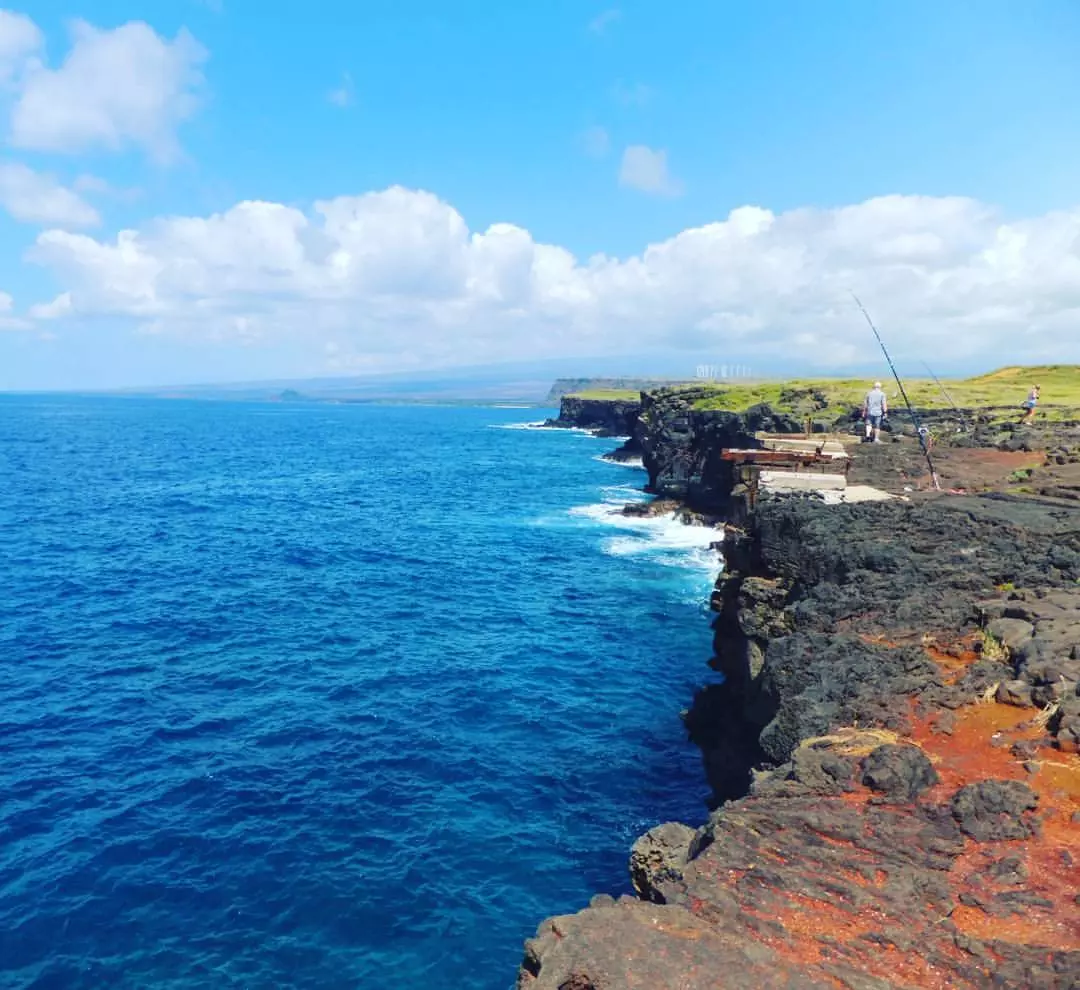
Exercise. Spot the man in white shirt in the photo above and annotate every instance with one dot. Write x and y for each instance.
(875, 409)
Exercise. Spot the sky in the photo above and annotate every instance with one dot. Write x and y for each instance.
(223, 190)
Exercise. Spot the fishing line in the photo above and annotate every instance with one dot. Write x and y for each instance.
(919, 431)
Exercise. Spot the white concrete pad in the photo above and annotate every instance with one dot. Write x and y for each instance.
(801, 481)
(857, 493)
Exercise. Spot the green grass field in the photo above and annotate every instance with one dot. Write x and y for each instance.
(1005, 388)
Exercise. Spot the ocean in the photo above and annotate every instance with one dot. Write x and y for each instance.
(324, 695)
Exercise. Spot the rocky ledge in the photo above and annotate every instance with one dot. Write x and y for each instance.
(681, 445)
(893, 753)
(605, 417)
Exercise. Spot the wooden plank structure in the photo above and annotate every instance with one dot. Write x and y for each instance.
(790, 464)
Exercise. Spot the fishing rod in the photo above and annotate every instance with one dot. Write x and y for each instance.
(948, 398)
(919, 431)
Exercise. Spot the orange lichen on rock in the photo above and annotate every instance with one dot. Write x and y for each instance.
(1036, 903)
(819, 934)
(977, 744)
(1019, 891)
(955, 660)
(805, 917)
(1059, 779)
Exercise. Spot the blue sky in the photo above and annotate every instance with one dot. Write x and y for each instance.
(523, 114)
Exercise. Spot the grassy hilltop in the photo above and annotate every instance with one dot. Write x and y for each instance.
(1004, 389)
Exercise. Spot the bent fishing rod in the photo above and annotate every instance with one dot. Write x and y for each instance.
(919, 431)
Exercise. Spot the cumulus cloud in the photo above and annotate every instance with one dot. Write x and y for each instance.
(116, 88)
(35, 197)
(396, 278)
(647, 171)
(20, 41)
(54, 310)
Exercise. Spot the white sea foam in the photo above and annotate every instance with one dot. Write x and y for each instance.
(663, 539)
(541, 426)
(538, 425)
(634, 462)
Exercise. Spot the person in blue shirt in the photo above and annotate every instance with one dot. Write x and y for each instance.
(875, 409)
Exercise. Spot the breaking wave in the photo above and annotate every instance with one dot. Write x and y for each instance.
(662, 539)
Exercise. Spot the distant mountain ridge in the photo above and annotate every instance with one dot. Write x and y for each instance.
(568, 386)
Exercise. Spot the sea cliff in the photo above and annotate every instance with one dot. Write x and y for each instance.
(681, 444)
(891, 750)
(605, 417)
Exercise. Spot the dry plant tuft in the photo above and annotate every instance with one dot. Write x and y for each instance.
(851, 741)
(990, 694)
(1042, 720)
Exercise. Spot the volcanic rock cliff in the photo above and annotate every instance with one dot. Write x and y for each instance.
(892, 749)
(681, 444)
(606, 417)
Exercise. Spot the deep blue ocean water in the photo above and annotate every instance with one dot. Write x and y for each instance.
(325, 696)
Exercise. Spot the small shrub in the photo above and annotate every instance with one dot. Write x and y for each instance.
(992, 647)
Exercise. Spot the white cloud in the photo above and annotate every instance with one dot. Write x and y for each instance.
(20, 40)
(601, 22)
(118, 88)
(596, 142)
(396, 279)
(35, 197)
(647, 171)
(8, 321)
(97, 186)
(54, 310)
(343, 95)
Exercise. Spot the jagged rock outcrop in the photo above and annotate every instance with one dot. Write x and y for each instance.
(823, 611)
(658, 858)
(681, 445)
(607, 417)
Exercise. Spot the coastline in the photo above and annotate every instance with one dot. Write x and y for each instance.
(892, 752)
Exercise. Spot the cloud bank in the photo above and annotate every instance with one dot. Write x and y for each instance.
(395, 278)
(126, 87)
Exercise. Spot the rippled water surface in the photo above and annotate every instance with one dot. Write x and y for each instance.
(324, 696)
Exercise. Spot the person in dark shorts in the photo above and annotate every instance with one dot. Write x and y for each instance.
(875, 409)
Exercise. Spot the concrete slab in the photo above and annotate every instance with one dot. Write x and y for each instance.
(801, 481)
(857, 493)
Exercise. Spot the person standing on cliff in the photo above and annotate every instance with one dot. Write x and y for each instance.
(1030, 404)
(875, 409)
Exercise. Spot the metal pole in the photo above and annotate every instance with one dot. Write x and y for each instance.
(911, 410)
